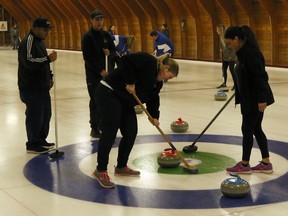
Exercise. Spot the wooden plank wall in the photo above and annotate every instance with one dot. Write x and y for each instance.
(196, 40)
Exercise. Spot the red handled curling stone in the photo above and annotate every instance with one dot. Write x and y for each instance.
(235, 187)
(138, 109)
(169, 159)
(220, 96)
(179, 126)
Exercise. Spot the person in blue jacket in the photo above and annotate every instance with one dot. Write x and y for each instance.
(162, 44)
(123, 45)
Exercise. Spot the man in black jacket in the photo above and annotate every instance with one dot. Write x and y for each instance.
(96, 44)
(34, 82)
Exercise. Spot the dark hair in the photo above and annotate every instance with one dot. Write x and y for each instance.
(244, 33)
(153, 33)
(165, 25)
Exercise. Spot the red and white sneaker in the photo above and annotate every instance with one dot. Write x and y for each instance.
(240, 169)
(262, 168)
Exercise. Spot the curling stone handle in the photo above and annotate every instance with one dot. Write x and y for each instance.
(169, 149)
(239, 179)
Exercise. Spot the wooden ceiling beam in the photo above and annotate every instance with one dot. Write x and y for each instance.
(149, 9)
(248, 8)
(227, 6)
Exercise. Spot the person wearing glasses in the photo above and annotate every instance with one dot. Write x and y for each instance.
(35, 79)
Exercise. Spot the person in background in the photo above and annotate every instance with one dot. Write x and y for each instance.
(123, 46)
(112, 30)
(253, 93)
(35, 79)
(162, 44)
(139, 73)
(113, 56)
(165, 30)
(14, 32)
(96, 44)
(228, 57)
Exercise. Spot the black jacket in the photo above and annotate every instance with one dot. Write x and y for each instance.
(252, 85)
(93, 43)
(34, 72)
(140, 69)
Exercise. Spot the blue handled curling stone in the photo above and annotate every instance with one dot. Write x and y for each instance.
(235, 187)
(168, 159)
(220, 96)
(138, 109)
(179, 126)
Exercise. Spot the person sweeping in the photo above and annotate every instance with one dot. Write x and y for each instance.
(139, 73)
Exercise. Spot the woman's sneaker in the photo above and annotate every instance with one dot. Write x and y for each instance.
(262, 168)
(126, 171)
(103, 179)
(239, 168)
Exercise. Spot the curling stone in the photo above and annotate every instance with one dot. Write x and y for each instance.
(179, 126)
(168, 159)
(220, 96)
(138, 109)
(235, 187)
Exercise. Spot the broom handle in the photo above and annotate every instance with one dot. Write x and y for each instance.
(219, 112)
(55, 106)
(159, 129)
(106, 63)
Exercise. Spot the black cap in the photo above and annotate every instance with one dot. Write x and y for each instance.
(97, 14)
(42, 23)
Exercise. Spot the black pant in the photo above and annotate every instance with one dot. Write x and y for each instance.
(38, 115)
(225, 65)
(93, 108)
(251, 125)
(115, 115)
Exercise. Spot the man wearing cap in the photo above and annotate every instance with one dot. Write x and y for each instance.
(96, 43)
(34, 82)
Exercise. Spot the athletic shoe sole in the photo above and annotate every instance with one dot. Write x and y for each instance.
(263, 171)
(49, 147)
(120, 174)
(240, 172)
(37, 152)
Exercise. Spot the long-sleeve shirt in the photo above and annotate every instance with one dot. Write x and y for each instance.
(163, 45)
(140, 69)
(252, 85)
(34, 72)
(93, 43)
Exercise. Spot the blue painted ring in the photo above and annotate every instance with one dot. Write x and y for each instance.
(64, 177)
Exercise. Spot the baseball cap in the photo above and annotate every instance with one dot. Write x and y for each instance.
(97, 14)
(42, 23)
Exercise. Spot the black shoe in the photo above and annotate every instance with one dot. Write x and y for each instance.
(48, 145)
(223, 85)
(36, 150)
(95, 133)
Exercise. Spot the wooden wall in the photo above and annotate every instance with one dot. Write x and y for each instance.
(198, 39)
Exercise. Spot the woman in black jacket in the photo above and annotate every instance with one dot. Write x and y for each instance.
(253, 93)
(139, 73)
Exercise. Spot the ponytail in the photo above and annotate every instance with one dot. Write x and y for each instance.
(243, 33)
